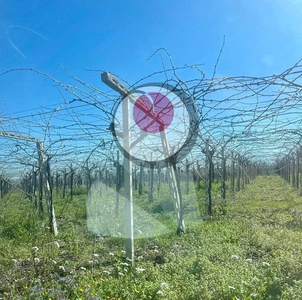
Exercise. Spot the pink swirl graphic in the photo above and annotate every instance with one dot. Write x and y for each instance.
(154, 115)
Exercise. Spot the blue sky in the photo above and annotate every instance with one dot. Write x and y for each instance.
(261, 38)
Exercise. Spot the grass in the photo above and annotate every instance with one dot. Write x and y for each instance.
(249, 249)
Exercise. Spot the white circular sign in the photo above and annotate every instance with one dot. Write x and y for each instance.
(162, 124)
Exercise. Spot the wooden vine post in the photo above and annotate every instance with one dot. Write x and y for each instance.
(64, 183)
(223, 174)
(57, 183)
(4, 186)
(44, 177)
(288, 168)
(140, 186)
(243, 173)
(1, 189)
(34, 186)
(209, 177)
(293, 170)
(238, 175)
(151, 183)
(297, 168)
(299, 171)
(135, 177)
(71, 182)
(187, 176)
(158, 178)
(232, 172)
(44, 167)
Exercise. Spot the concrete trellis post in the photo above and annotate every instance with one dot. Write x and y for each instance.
(128, 185)
(117, 184)
(112, 82)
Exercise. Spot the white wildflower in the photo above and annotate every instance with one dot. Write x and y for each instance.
(123, 251)
(95, 255)
(160, 293)
(231, 287)
(156, 251)
(35, 248)
(15, 261)
(90, 261)
(83, 268)
(124, 264)
(164, 285)
(36, 260)
(266, 264)
(235, 256)
(62, 268)
(255, 278)
(110, 253)
(139, 270)
(54, 262)
(120, 273)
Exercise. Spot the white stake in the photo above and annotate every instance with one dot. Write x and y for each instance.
(128, 183)
(108, 79)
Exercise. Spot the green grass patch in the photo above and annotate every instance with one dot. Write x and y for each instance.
(250, 251)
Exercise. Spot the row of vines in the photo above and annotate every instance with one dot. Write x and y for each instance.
(242, 128)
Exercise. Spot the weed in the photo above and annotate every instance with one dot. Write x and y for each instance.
(249, 249)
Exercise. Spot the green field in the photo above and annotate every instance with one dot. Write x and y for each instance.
(249, 249)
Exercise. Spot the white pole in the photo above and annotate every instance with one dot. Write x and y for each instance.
(108, 79)
(117, 86)
(128, 183)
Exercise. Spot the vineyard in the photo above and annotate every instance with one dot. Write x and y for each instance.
(63, 189)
